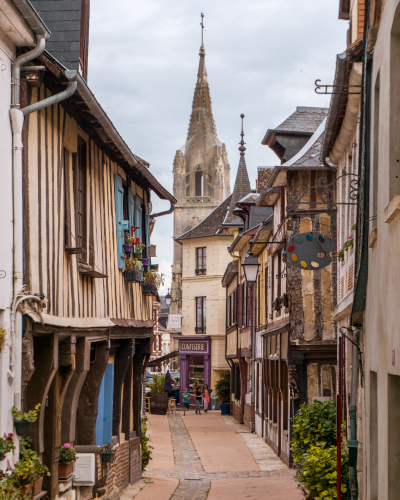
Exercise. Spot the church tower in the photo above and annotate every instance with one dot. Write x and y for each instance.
(201, 173)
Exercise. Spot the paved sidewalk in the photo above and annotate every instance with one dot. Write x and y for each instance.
(207, 457)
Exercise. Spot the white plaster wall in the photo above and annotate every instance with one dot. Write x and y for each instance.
(382, 315)
(6, 231)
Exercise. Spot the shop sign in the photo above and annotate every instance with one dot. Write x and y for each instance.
(174, 321)
(193, 347)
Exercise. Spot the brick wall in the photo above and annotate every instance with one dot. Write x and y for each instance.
(136, 460)
(237, 412)
(248, 418)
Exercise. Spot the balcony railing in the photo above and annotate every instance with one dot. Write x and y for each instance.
(200, 271)
(194, 200)
(200, 329)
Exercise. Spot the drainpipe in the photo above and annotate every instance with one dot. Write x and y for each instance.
(17, 121)
(167, 212)
(352, 443)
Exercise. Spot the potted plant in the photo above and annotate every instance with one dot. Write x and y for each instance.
(24, 475)
(108, 455)
(159, 398)
(128, 245)
(223, 389)
(66, 461)
(133, 270)
(152, 282)
(154, 267)
(22, 421)
(40, 469)
(6, 445)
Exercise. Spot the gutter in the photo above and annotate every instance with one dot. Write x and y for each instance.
(32, 18)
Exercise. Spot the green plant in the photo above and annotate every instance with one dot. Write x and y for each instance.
(317, 472)
(146, 448)
(154, 278)
(67, 454)
(3, 334)
(354, 227)
(26, 452)
(30, 416)
(223, 388)
(6, 444)
(157, 383)
(140, 246)
(24, 472)
(129, 239)
(349, 243)
(133, 264)
(340, 255)
(9, 490)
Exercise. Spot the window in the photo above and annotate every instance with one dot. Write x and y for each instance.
(201, 254)
(80, 197)
(201, 314)
(198, 179)
(196, 370)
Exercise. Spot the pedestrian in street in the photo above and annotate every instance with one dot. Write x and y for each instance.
(206, 396)
(198, 394)
(186, 400)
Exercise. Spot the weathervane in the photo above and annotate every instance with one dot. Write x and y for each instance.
(202, 27)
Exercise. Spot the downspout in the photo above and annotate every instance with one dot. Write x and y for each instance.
(17, 121)
(253, 359)
(167, 212)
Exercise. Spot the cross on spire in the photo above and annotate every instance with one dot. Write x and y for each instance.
(202, 27)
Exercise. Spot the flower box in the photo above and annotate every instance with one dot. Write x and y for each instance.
(154, 267)
(65, 470)
(37, 486)
(133, 276)
(108, 455)
(27, 489)
(149, 289)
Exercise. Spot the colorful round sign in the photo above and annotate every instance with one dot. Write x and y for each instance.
(310, 250)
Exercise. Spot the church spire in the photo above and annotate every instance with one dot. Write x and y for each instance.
(242, 184)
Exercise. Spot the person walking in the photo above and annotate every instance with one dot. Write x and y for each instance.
(198, 394)
(186, 400)
(206, 396)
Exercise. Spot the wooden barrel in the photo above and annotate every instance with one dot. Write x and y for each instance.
(159, 404)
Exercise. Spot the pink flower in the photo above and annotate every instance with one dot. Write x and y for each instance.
(350, 238)
(66, 445)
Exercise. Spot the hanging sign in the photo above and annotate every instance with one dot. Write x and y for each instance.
(174, 321)
(133, 229)
(310, 251)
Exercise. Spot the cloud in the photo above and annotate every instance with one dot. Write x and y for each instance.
(263, 57)
(165, 267)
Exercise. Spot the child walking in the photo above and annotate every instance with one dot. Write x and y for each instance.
(206, 396)
(198, 393)
(186, 400)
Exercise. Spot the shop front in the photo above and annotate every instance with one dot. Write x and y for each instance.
(195, 359)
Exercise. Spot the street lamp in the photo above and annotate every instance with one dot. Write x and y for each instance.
(168, 299)
(250, 266)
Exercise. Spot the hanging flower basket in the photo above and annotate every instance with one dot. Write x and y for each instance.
(108, 455)
(127, 248)
(137, 255)
(145, 261)
(154, 267)
(22, 427)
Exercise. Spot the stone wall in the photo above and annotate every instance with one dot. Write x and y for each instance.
(248, 415)
(237, 412)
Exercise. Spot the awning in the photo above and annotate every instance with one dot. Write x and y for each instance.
(155, 362)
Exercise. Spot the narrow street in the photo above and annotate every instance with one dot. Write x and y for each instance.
(211, 457)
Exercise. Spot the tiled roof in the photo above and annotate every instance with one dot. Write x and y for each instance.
(211, 225)
(263, 176)
(241, 189)
(250, 199)
(311, 158)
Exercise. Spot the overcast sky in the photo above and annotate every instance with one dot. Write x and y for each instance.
(262, 59)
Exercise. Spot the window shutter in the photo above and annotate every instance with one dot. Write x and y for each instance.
(121, 224)
(131, 206)
(138, 217)
(147, 230)
(239, 305)
(108, 403)
(100, 416)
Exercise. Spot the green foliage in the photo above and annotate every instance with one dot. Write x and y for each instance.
(67, 454)
(10, 491)
(146, 448)
(223, 388)
(6, 445)
(30, 416)
(317, 472)
(157, 383)
(26, 453)
(313, 447)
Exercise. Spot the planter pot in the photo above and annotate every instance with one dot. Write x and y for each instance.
(149, 289)
(145, 261)
(22, 427)
(27, 489)
(225, 408)
(133, 276)
(37, 486)
(108, 455)
(137, 255)
(159, 403)
(65, 470)
(127, 248)
(154, 267)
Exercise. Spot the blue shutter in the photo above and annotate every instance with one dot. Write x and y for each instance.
(108, 403)
(100, 416)
(147, 229)
(138, 216)
(121, 224)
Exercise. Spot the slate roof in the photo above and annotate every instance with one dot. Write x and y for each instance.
(311, 158)
(304, 119)
(263, 176)
(241, 189)
(211, 225)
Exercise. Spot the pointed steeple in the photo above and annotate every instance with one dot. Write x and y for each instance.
(242, 183)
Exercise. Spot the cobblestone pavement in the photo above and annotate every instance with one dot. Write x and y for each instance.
(194, 481)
